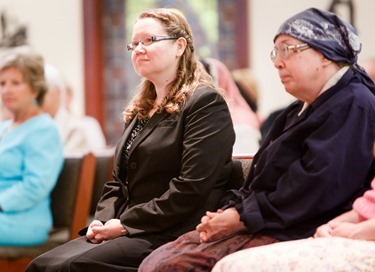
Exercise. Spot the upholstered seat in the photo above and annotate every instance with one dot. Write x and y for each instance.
(70, 200)
(241, 168)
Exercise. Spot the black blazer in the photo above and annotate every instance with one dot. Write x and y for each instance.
(177, 168)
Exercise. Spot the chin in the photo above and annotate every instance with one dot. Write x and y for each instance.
(288, 89)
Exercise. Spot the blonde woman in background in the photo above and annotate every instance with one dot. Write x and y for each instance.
(31, 152)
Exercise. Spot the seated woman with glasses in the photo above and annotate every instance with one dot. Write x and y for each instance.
(315, 161)
(172, 162)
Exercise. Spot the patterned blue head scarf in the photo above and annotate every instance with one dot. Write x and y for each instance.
(327, 33)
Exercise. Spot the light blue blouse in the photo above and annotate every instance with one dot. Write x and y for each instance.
(31, 158)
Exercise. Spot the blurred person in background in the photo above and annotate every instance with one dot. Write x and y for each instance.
(245, 121)
(91, 127)
(31, 152)
(369, 66)
(69, 125)
(248, 86)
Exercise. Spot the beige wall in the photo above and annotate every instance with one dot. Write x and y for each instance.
(55, 29)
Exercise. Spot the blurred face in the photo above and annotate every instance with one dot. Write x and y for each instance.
(51, 102)
(158, 60)
(298, 69)
(16, 93)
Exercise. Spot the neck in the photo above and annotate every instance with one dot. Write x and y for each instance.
(21, 117)
(160, 94)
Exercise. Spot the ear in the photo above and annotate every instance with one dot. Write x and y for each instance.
(181, 45)
(325, 61)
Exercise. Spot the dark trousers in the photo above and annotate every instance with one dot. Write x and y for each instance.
(120, 254)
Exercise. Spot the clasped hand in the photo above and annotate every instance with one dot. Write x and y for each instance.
(98, 232)
(340, 229)
(220, 224)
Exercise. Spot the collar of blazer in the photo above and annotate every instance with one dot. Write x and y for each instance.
(155, 119)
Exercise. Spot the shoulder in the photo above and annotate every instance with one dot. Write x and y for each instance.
(356, 90)
(347, 96)
(360, 97)
(43, 125)
(205, 91)
(204, 95)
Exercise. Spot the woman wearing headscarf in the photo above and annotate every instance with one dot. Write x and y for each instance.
(315, 161)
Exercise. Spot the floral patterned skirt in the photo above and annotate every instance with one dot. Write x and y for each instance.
(306, 255)
(187, 253)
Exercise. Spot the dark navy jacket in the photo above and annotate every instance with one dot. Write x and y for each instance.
(311, 168)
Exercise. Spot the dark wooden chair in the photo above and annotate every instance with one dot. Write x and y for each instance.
(103, 173)
(70, 200)
(241, 168)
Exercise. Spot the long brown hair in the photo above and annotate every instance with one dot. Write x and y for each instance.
(190, 71)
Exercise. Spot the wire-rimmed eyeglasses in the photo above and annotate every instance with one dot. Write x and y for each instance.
(148, 41)
(285, 49)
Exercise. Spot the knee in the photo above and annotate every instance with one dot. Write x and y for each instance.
(38, 264)
(46, 263)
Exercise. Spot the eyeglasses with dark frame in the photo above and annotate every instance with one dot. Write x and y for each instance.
(148, 41)
(285, 49)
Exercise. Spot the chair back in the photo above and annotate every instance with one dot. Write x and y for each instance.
(103, 173)
(74, 187)
(70, 202)
(240, 171)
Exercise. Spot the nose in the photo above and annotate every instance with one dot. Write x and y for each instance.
(139, 47)
(278, 63)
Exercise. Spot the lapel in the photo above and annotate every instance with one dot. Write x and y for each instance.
(155, 119)
(293, 118)
(148, 128)
(119, 148)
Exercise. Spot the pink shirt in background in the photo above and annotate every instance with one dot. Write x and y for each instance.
(365, 205)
